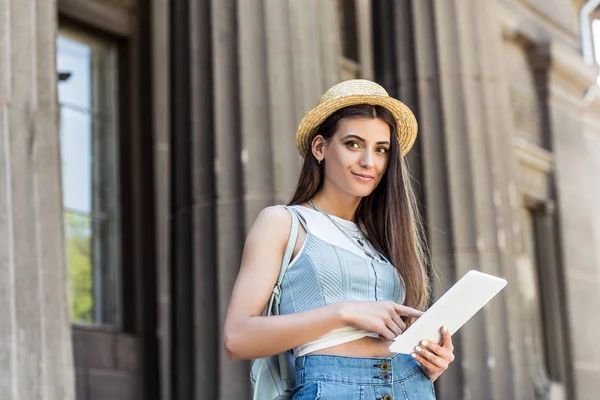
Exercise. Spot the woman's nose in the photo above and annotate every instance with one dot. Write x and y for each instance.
(366, 159)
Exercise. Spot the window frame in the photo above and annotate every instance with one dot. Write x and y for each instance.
(537, 194)
(132, 349)
(107, 303)
(137, 220)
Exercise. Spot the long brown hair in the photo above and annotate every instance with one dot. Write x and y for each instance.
(389, 216)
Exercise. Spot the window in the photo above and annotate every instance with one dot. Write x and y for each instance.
(529, 270)
(87, 94)
(349, 39)
(355, 30)
(542, 305)
(348, 29)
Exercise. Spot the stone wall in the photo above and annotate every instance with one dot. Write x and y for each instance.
(35, 337)
(570, 130)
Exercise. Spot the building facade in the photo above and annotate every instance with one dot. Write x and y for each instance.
(140, 139)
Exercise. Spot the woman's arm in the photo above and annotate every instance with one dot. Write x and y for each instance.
(247, 334)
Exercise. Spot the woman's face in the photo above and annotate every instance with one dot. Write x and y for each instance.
(357, 155)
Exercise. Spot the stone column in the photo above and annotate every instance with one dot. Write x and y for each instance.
(35, 336)
(300, 60)
(308, 76)
(316, 49)
(465, 31)
(183, 312)
(436, 187)
(257, 148)
(229, 181)
(160, 15)
(282, 115)
(238, 73)
(444, 58)
(205, 271)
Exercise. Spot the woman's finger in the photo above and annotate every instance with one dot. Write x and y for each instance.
(393, 326)
(385, 332)
(398, 321)
(439, 362)
(447, 339)
(438, 350)
(426, 365)
(407, 311)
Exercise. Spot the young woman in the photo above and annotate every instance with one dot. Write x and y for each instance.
(357, 277)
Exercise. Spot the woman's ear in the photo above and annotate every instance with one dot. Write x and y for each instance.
(318, 148)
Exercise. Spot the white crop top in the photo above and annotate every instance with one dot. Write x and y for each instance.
(320, 226)
(324, 229)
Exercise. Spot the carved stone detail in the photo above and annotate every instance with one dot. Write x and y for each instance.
(526, 115)
(534, 166)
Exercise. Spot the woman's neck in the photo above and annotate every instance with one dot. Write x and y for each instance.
(339, 204)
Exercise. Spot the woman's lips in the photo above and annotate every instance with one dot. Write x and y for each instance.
(363, 178)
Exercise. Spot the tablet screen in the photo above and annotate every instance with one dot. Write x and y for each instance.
(473, 291)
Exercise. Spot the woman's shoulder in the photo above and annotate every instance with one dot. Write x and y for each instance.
(273, 221)
(276, 214)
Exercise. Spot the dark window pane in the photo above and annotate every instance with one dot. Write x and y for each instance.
(348, 29)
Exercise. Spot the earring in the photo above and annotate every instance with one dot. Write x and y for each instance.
(319, 161)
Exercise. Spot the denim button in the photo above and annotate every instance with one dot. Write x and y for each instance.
(386, 377)
(388, 397)
(385, 366)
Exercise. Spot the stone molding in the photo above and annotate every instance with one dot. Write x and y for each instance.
(533, 156)
(569, 76)
(516, 19)
(563, 61)
(534, 165)
(113, 16)
(549, 52)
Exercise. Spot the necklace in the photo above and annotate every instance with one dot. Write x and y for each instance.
(356, 234)
(356, 240)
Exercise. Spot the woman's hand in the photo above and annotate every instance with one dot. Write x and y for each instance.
(434, 358)
(382, 317)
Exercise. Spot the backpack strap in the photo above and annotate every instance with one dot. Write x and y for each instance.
(300, 214)
(273, 307)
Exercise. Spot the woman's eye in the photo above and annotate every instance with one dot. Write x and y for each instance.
(382, 150)
(352, 145)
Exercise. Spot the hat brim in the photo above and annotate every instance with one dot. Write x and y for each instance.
(405, 120)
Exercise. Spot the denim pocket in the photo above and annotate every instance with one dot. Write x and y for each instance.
(307, 391)
(418, 387)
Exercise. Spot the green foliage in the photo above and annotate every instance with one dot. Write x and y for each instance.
(79, 264)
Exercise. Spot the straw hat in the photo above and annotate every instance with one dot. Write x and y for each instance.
(353, 92)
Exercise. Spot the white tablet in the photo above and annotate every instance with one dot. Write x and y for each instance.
(473, 291)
